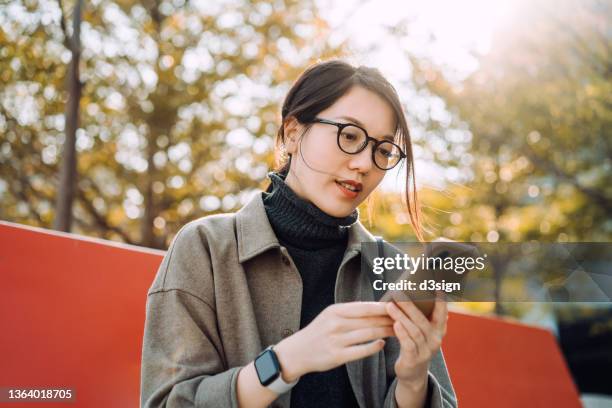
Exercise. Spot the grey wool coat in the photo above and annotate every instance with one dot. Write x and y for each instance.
(224, 291)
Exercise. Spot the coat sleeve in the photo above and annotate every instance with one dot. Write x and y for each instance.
(183, 364)
(440, 392)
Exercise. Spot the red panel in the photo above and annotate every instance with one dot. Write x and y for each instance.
(495, 363)
(73, 316)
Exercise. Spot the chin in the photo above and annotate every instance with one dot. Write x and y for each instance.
(338, 211)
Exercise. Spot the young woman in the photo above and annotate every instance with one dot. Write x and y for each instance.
(268, 306)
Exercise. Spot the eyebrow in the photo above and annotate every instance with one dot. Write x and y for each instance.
(357, 122)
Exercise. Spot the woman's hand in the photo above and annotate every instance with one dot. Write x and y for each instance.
(341, 333)
(419, 338)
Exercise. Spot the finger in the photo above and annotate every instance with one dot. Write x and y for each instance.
(440, 315)
(348, 324)
(398, 296)
(441, 295)
(415, 333)
(361, 309)
(416, 316)
(406, 342)
(365, 335)
(361, 351)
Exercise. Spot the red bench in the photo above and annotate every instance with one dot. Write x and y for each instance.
(72, 315)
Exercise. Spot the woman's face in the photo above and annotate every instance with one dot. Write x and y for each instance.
(318, 164)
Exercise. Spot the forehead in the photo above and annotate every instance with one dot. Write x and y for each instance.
(374, 112)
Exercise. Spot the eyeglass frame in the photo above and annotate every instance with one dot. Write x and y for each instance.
(368, 139)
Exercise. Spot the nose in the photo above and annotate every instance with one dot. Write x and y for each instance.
(362, 161)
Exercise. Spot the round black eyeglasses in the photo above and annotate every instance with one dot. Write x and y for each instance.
(353, 139)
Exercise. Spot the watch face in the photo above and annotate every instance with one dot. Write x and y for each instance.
(267, 367)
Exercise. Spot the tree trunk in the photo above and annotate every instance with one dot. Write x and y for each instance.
(68, 169)
(147, 235)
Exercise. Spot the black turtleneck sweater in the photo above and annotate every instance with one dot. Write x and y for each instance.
(316, 242)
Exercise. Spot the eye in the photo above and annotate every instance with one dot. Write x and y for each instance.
(352, 134)
(385, 152)
(347, 135)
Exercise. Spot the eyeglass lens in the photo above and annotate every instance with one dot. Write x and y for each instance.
(352, 139)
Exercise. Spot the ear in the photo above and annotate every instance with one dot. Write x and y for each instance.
(292, 129)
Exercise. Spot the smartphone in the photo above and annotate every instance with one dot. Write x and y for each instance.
(424, 299)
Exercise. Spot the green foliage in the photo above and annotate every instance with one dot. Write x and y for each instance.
(537, 120)
(537, 117)
(178, 112)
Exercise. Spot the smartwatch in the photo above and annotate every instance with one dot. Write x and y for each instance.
(269, 372)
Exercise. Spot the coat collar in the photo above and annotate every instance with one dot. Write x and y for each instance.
(255, 234)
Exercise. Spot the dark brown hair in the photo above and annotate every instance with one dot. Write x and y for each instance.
(319, 87)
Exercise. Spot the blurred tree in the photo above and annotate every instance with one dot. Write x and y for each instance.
(179, 108)
(539, 116)
(536, 119)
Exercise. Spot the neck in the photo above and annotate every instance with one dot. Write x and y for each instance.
(300, 223)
